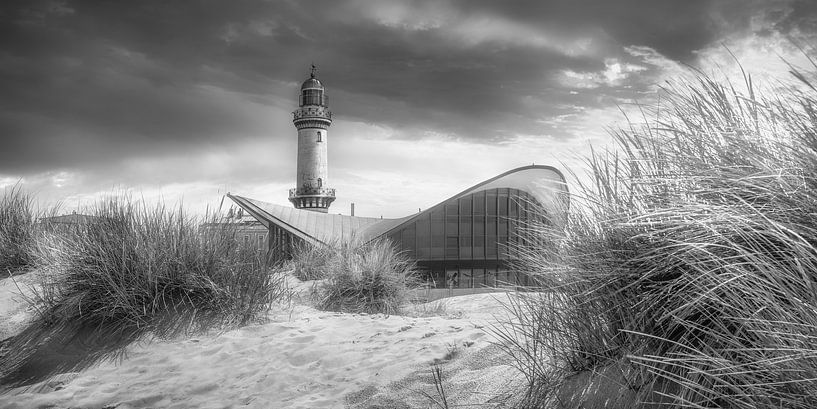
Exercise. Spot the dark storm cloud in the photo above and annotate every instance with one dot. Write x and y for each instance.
(802, 17)
(88, 81)
(674, 28)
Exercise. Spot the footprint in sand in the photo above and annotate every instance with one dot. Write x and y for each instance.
(278, 329)
(303, 339)
(476, 336)
(210, 351)
(201, 389)
(299, 360)
(143, 402)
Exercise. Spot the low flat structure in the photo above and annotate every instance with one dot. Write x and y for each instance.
(69, 222)
(247, 229)
(466, 241)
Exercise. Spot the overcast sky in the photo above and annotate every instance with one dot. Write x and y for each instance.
(193, 99)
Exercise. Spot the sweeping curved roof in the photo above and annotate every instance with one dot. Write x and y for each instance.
(545, 183)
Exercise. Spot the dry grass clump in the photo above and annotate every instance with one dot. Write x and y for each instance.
(311, 262)
(135, 270)
(18, 230)
(692, 268)
(369, 278)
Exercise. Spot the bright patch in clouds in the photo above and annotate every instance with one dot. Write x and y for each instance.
(614, 74)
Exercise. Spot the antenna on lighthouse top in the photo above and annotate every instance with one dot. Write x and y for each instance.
(314, 70)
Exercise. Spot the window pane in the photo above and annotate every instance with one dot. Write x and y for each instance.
(523, 204)
(465, 278)
(451, 225)
(502, 245)
(423, 238)
(465, 206)
(452, 278)
(523, 279)
(501, 277)
(512, 227)
(478, 277)
(438, 227)
(512, 278)
(479, 203)
(465, 247)
(491, 226)
(452, 247)
(465, 226)
(479, 247)
(451, 242)
(437, 253)
(513, 209)
(438, 241)
(437, 214)
(423, 227)
(491, 203)
(490, 278)
(479, 226)
(502, 205)
(451, 208)
(490, 247)
(407, 239)
(438, 278)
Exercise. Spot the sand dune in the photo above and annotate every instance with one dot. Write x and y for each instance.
(301, 358)
(14, 311)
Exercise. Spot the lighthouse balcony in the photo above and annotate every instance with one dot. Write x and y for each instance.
(317, 191)
(312, 111)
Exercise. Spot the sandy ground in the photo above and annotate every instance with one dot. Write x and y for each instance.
(300, 358)
(14, 311)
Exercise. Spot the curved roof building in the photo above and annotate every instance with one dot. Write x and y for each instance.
(464, 241)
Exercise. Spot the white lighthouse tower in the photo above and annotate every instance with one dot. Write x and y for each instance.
(312, 119)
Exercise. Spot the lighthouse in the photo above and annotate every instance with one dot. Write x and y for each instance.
(312, 120)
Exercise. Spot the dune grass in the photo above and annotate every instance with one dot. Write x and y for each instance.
(18, 229)
(365, 278)
(314, 262)
(691, 269)
(131, 271)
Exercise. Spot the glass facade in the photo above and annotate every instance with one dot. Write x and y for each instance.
(466, 242)
(281, 243)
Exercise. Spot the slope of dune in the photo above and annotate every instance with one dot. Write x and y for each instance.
(299, 358)
(14, 310)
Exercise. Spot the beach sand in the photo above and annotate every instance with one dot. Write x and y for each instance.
(299, 358)
(14, 310)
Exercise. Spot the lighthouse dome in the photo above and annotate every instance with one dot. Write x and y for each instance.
(311, 83)
(312, 91)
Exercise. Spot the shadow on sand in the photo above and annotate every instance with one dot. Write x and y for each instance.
(42, 351)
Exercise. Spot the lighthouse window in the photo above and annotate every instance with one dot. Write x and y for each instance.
(319, 136)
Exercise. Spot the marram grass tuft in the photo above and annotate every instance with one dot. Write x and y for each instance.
(128, 272)
(690, 270)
